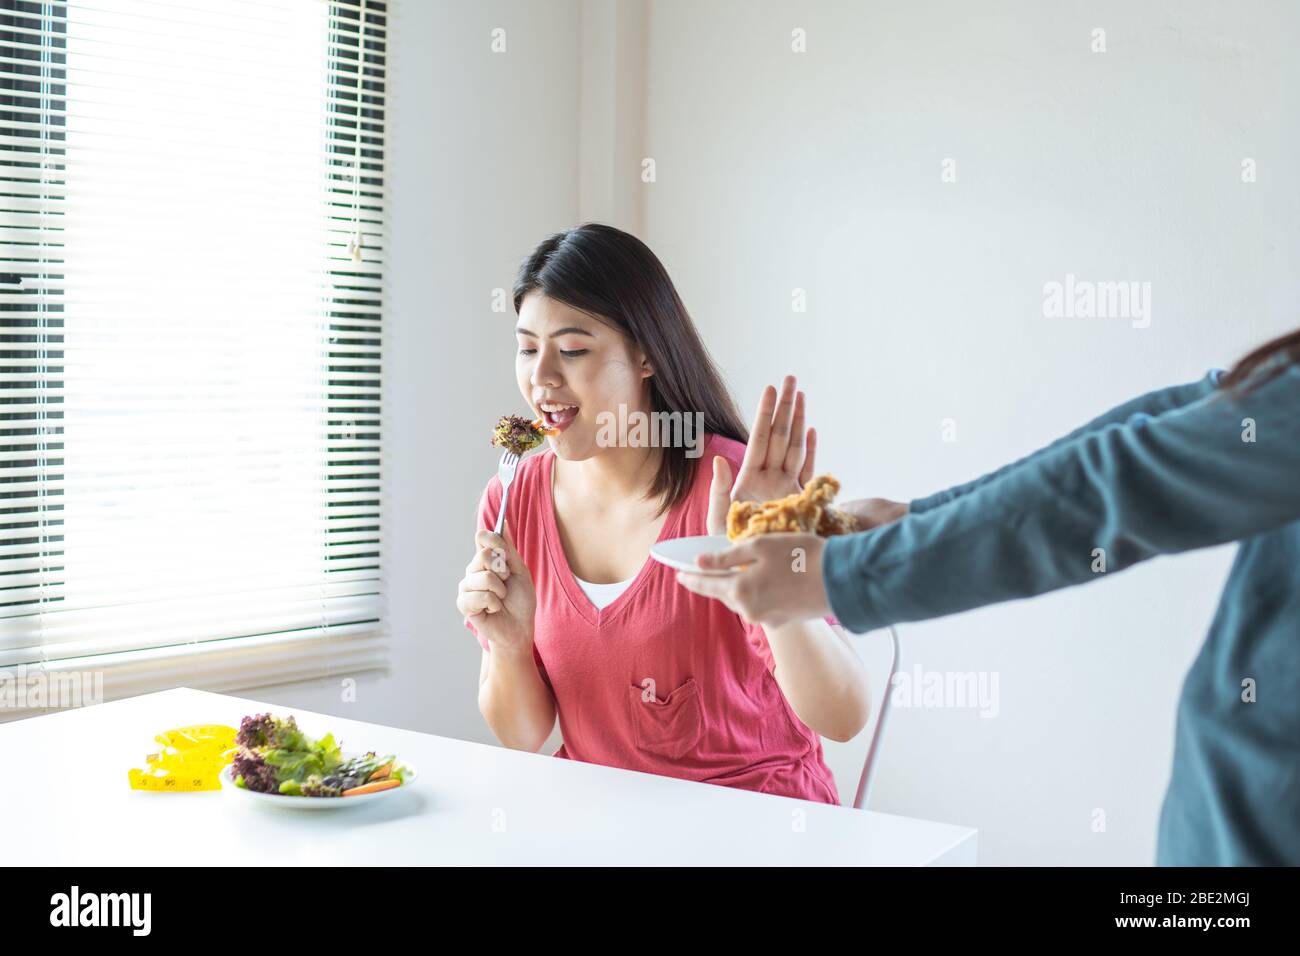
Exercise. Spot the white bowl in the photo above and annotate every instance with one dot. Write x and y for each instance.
(680, 553)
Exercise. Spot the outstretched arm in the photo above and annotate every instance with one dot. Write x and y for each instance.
(1136, 486)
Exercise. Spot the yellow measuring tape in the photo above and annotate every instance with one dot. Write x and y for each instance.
(191, 758)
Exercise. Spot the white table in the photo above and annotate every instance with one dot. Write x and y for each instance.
(471, 804)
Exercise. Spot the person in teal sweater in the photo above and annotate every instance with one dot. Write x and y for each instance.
(1192, 466)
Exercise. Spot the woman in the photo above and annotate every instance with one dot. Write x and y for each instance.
(577, 619)
(1187, 467)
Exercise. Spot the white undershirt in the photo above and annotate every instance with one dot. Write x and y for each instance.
(603, 595)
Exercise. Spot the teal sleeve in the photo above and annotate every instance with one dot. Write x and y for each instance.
(1152, 403)
(1149, 484)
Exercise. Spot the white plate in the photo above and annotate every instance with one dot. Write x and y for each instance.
(680, 553)
(311, 803)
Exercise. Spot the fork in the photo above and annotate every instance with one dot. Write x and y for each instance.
(506, 472)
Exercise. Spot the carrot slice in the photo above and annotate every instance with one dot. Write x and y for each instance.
(545, 429)
(372, 787)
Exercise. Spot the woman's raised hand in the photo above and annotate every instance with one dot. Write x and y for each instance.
(778, 459)
(496, 595)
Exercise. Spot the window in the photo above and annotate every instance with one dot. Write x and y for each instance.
(191, 273)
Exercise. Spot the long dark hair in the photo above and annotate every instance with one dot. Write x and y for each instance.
(614, 277)
(1263, 364)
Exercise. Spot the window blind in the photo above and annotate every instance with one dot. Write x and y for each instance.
(191, 275)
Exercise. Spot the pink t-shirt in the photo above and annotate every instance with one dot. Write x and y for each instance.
(662, 680)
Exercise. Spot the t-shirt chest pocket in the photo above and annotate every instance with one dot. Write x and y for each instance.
(670, 727)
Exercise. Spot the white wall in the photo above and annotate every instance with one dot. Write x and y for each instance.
(821, 171)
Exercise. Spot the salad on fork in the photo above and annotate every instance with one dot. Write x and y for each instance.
(518, 436)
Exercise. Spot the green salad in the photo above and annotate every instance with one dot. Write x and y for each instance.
(274, 756)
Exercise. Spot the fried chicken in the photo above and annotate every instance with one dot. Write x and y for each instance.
(809, 511)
